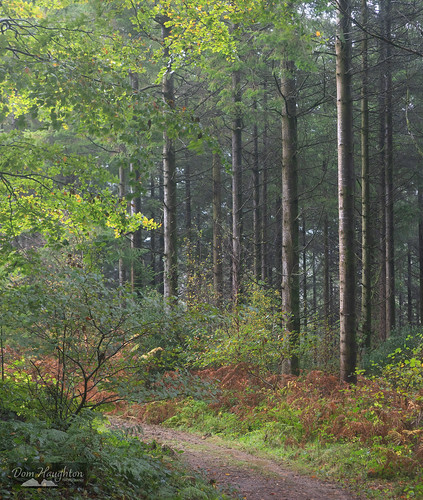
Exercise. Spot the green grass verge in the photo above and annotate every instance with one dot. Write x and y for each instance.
(379, 470)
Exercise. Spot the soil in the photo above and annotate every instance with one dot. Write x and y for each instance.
(239, 474)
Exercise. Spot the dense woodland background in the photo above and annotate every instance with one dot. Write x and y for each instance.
(214, 127)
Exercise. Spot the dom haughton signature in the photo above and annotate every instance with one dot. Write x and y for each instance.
(45, 476)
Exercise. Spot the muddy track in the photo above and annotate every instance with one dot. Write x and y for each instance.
(240, 474)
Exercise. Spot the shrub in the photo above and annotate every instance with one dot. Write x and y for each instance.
(252, 333)
(78, 340)
(398, 347)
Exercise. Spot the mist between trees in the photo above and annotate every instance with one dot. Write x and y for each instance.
(252, 165)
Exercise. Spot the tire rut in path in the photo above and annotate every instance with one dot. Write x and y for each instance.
(239, 474)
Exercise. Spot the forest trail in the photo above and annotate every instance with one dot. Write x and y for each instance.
(239, 474)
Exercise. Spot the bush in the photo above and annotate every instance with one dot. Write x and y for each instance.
(75, 340)
(398, 357)
(405, 339)
(252, 333)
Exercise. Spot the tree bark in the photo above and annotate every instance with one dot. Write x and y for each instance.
(366, 309)
(236, 187)
(420, 204)
(314, 283)
(276, 280)
(153, 237)
(346, 183)
(136, 242)
(290, 251)
(122, 192)
(170, 276)
(264, 215)
(389, 189)
(326, 272)
(409, 290)
(383, 287)
(256, 204)
(217, 229)
(305, 304)
(382, 245)
(160, 263)
(188, 208)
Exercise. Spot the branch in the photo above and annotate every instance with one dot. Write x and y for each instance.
(379, 36)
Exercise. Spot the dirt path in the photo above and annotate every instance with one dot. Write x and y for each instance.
(239, 474)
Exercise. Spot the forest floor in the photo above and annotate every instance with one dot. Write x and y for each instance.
(239, 474)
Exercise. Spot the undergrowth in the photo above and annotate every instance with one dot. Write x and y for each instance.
(369, 435)
(108, 463)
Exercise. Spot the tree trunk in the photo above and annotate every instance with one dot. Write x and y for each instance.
(326, 273)
(401, 304)
(161, 254)
(264, 215)
(290, 251)
(409, 291)
(366, 310)
(153, 237)
(277, 275)
(389, 189)
(256, 204)
(346, 182)
(314, 284)
(382, 184)
(236, 187)
(136, 242)
(188, 210)
(305, 305)
(122, 192)
(170, 276)
(217, 229)
(382, 250)
(420, 202)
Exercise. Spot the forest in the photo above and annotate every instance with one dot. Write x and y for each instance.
(211, 218)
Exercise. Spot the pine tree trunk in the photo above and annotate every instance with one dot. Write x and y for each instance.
(276, 280)
(122, 192)
(188, 209)
(326, 272)
(366, 310)
(290, 251)
(256, 204)
(217, 229)
(305, 305)
(346, 182)
(382, 184)
(401, 304)
(236, 188)
(153, 238)
(409, 290)
(136, 238)
(264, 215)
(389, 185)
(420, 204)
(136, 243)
(382, 255)
(314, 283)
(170, 276)
(161, 254)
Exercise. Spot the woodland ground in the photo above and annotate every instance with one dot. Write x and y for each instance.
(241, 475)
(367, 437)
